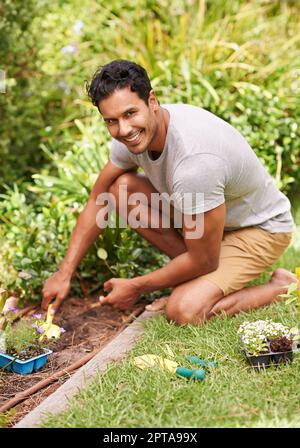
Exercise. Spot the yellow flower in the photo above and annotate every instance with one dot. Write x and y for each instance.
(297, 272)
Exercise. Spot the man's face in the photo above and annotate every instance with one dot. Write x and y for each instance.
(129, 120)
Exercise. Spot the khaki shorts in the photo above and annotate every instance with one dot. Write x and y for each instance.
(244, 255)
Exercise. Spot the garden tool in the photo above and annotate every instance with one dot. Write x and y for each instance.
(150, 360)
(50, 330)
(192, 359)
(201, 362)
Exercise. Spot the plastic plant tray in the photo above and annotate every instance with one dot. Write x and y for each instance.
(24, 367)
(269, 358)
(272, 358)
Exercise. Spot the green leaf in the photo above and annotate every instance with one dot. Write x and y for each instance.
(102, 254)
(26, 261)
(291, 300)
(292, 287)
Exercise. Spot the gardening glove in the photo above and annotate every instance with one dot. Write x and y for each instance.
(147, 361)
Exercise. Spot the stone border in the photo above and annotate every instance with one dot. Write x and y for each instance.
(113, 351)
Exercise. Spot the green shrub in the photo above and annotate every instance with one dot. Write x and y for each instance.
(238, 59)
(37, 233)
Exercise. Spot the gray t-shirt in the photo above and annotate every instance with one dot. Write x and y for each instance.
(203, 153)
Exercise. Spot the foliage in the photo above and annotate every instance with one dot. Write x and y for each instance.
(22, 112)
(238, 59)
(5, 417)
(20, 337)
(35, 331)
(293, 292)
(37, 233)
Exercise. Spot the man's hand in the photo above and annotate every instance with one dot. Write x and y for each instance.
(56, 287)
(124, 293)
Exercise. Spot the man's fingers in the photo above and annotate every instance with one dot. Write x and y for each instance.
(107, 285)
(56, 304)
(46, 300)
(105, 299)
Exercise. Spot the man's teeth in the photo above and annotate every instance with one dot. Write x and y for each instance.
(133, 137)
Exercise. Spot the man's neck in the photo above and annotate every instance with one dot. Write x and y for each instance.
(157, 146)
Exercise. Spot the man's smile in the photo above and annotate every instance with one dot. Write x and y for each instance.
(134, 138)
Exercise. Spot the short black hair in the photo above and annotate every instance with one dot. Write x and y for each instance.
(119, 74)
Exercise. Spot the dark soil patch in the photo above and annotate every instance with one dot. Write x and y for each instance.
(26, 353)
(88, 326)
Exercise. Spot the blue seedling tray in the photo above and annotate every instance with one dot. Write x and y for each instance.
(24, 367)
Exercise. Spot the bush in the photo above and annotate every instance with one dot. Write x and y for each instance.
(38, 232)
(238, 59)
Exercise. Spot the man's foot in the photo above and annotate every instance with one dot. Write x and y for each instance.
(282, 277)
(158, 304)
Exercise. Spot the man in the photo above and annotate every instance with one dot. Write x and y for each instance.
(183, 149)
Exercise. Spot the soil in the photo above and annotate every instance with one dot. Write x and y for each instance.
(27, 353)
(88, 326)
(281, 344)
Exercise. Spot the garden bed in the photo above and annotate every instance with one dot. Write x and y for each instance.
(88, 327)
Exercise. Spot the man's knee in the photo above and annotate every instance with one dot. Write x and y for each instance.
(126, 179)
(190, 303)
(179, 311)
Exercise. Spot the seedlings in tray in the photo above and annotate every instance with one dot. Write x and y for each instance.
(23, 344)
(256, 335)
(265, 342)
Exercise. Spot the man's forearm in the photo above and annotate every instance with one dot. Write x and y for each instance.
(84, 235)
(178, 270)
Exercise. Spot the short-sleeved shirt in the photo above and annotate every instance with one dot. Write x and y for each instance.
(204, 154)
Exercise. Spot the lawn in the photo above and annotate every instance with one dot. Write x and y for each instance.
(232, 395)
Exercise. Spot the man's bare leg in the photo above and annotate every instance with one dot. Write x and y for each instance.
(198, 300)
(167, 240)
(255, 296)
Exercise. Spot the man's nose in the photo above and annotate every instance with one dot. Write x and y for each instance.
(124, 128)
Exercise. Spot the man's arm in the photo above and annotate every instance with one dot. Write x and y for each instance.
(201, 257)
(83, 236)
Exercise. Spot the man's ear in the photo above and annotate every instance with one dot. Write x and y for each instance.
(153, 101)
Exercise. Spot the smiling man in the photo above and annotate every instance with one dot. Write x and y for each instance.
(183, 150)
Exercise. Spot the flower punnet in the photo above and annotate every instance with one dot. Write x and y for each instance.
(255, 335)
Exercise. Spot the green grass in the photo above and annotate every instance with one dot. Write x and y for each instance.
(232, 395)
